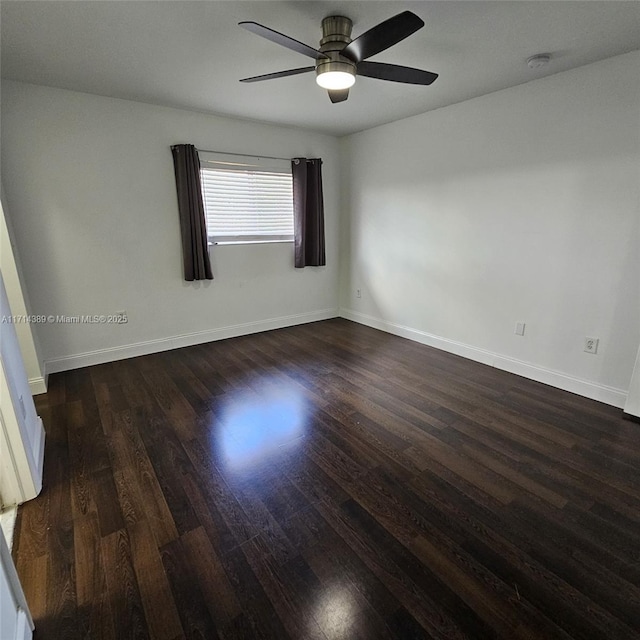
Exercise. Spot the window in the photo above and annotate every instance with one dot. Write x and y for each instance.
(247, 199)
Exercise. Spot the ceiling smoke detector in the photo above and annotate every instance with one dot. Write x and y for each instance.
(538, 61)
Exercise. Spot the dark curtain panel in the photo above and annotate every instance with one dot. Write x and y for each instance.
(191, 209)
(308, 212)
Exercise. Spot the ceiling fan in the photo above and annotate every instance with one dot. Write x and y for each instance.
(339, 58)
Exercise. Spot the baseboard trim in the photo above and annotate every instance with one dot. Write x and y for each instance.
(100, 356)
(37, 386)
(586, 388)
(41, 437)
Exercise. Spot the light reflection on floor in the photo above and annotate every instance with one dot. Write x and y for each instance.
(254, 427)
(336, 612)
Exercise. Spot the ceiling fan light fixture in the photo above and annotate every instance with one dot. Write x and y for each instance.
(339, 58)
(335, 79)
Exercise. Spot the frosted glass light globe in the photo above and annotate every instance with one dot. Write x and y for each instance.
(335, 80)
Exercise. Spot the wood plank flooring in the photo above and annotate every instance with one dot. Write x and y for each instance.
(329, 481)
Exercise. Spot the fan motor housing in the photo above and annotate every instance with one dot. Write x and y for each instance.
(336, 35)
(336, 29)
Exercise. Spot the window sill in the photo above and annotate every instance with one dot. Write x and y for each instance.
(234, 242)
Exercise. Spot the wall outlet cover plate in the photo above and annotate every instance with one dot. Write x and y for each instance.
(591, 345)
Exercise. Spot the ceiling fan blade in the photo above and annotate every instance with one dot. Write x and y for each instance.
(395, 73)
(383, 36)
(278, 74)
(281, 39)
(338, 95)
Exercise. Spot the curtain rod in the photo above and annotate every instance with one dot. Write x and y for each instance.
(244, 155)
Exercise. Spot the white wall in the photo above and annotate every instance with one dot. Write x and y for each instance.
(522, 205)
(21, 431)
(11, 270)
(632, 405)
(91, 194)
(15, 619)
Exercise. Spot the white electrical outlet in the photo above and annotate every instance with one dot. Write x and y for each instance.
(358, 293)
(519, 328)
(591, 345)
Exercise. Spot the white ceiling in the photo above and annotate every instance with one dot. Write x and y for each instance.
(192, 54)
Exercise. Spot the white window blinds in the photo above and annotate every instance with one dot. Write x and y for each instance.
(247, 199)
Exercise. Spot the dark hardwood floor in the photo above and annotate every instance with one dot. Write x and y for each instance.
(324, 482)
